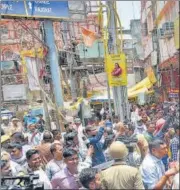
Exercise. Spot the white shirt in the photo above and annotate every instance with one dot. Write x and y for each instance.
(134, 116)
(53, 167)
(25, 148)
(43, 179)
(176, 182)
(15, 168)
(82, 145)
(140, 129)
(36, 140)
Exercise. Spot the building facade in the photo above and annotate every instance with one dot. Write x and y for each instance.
(138, 53)
(159, 20)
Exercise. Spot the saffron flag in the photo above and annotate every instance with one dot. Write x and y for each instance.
(88, 37)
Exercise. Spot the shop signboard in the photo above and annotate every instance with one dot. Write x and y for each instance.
(7, 65)
(173, 95)
(35, 9)
(14, 92)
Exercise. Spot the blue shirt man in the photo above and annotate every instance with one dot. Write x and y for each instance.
(152, 168)
(94, 137)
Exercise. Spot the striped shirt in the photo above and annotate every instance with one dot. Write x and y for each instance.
(174, 147)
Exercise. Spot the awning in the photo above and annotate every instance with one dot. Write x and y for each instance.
(145, 83)
(135, 93)
(142, 86)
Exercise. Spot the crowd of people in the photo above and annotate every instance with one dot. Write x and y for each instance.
(142, 153)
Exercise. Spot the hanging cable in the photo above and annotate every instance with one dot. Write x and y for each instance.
(45, 94)
(96, 77)
(30, 31)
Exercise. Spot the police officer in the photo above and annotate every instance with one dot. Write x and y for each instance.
(120, 175)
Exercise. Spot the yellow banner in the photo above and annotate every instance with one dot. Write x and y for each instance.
(39, 53)
(116, 69)
(151, 75)
(176, 33)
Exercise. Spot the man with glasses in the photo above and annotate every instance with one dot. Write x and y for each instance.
(94, 136)
(152, 168)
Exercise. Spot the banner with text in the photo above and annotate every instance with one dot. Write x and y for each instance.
(36, 9)
(116, 69)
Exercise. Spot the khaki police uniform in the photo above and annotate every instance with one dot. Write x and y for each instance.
(120, 175)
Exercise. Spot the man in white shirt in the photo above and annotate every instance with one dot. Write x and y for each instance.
(5, 124)
(33, 165)
(56, 164)
(34, 136)
(79, 128)
(140, 127)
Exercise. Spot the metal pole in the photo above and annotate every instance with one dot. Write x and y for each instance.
(119, 93)
(109, 99)
(108, 91)
(70, 60)
(53, 59)
(0, 92)
(43, 99)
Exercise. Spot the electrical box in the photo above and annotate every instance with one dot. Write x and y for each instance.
(96, 51)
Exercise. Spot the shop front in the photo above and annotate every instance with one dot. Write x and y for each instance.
(169, 72)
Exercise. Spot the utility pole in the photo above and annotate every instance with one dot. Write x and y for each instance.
(119, 93)
(43, 99)
(0, 92)
(70, 60)
(53, 59)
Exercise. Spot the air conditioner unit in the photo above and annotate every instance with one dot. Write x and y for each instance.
(168, 28)
(161, 33)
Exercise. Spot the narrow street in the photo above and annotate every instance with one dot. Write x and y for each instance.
(89, 94)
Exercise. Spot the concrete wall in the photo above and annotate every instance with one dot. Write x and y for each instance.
(167, 45)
